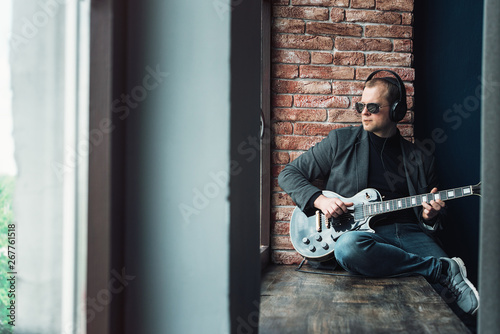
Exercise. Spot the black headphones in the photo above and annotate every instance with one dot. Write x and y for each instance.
(398, 108)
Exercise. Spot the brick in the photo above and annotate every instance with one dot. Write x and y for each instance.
(302, 42)
(406, 130)
(289, 26)
(362, 44)
(281, 199)
(282, 214)
(282, 128)
(301, 87)
(396, 5)
(278, 227)
(349, 58)
(295, 154)
(337, 14)
(280, 157)
(281, 2)
(321, 101)
(285, 71)
(403, 45)
(406, 74)
(276, 170)
(286, 257)
(409, 104)
(315, 129)
(295, 143)
(371, 16)
(281, 242)
(407, 18)
(308, 13)
(326, 72)
(355, 99)
(408, 117)
(364, 4)
(347, 88)
(291, 57)
(275, 186)
(333, 29)
(321, 58)
(343, 116)
(410, 89)
(326, 3)
(304, 115)
(389, 59)
(279, 100)
(391, 31)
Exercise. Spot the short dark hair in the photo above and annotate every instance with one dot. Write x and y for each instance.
(392, 88)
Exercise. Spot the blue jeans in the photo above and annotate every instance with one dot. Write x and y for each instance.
(393, 250)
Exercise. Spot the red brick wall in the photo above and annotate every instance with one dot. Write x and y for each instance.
(322, 51)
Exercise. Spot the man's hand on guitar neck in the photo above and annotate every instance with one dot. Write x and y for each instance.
(432, 208)
(331, 207)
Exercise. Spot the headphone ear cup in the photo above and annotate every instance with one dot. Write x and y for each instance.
(398, 111)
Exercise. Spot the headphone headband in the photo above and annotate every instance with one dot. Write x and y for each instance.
(398, 109)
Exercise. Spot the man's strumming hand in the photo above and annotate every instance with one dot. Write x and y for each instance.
(331, 207)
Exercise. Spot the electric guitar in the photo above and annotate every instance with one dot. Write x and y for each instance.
(314, 236)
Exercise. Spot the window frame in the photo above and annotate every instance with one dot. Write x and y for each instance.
(265, 147)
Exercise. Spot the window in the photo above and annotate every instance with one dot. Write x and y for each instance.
(46, 86)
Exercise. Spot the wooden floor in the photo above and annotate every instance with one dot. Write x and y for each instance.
(296, 302)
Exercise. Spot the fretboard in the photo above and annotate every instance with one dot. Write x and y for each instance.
(371, 209)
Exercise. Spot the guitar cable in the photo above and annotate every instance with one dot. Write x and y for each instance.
(298, 269)
(322, 273)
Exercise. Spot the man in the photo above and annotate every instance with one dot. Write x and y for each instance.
(375, 155)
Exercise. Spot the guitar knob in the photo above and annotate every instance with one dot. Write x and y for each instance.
(324, 245)
(305, 240)
(318, 238)
(312, 248)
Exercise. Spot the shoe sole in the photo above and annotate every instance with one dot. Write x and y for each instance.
(463, 271)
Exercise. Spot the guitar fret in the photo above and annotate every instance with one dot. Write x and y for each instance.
(371, 209)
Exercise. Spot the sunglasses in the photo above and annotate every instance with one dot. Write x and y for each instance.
(373, 108)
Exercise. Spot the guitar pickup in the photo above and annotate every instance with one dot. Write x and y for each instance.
(318, 221)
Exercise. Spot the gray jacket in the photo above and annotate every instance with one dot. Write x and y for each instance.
(341, 161)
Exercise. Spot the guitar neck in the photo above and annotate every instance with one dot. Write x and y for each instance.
(372, 209)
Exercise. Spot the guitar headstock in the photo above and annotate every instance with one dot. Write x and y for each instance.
(476, 190)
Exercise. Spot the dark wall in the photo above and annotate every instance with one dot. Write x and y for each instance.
(448, 51)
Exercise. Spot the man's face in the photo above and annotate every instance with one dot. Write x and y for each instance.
(379, 123)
